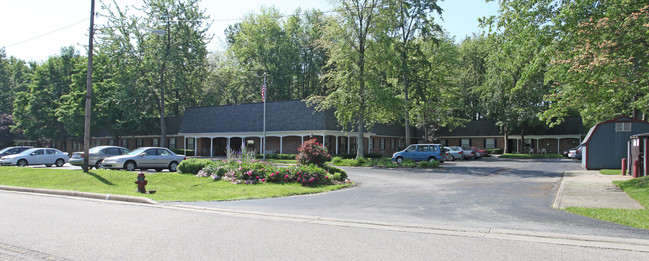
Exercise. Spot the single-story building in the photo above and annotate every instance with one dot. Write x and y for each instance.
(607, 142)
(211, 130)
(538, 139)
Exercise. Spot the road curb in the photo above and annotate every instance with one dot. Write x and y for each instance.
(559, 197)
(68, 193)
(630, 244)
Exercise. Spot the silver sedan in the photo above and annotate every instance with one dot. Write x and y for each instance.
(145, 158)
(97, 154)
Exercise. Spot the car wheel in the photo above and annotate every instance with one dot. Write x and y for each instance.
(173, 166)
(59, 163)
(431, 159)
(130, 165)
(158, 170)
(98, 164)
(452, 157)
(48, 165)
(21, 163)
(399, 160)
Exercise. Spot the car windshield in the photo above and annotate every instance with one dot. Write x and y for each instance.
(137, 151)
(95, 149)
(27, 152)
(4, 150)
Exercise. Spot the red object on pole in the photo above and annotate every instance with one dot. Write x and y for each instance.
(623, 166)
(636, 168)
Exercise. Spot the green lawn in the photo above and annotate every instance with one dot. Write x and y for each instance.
(169, 186)
(530, 156)
(637, 189)
(610, 171)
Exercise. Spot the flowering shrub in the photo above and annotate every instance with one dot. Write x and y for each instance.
(311, 152)
(214, 171)
(239, 172)
(244, 154)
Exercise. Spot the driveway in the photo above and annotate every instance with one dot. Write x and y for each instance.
(487, 193)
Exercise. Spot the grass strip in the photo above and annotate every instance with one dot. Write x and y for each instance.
(610, 171)
(169, 186)
(637, 189)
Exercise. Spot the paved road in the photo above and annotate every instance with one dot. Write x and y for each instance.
(488, 193)
(43, 227)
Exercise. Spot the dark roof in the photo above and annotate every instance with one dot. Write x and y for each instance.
(148, 127)
(280, 116)
(571, 125)
(474, 128)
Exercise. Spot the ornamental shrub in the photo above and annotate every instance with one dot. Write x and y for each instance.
(312, 152)
(429, 164)
(192, 166)
(338, 173)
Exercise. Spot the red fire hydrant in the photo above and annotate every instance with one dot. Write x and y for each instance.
(141, 183)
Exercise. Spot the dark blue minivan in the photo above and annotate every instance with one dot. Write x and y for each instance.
(420, 152)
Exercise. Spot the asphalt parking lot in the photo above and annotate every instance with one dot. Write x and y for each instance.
(485, 193)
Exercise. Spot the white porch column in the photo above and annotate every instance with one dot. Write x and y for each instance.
(559, 146)
(229, 143)
(349, 145)
(185, 144)
(261, 145)
(369, 144)
(281, 145)
(324, 140)
(195, 146)
(337, 142)
(302, 140)
(211, 146)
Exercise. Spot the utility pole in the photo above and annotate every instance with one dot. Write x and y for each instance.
(86, 130)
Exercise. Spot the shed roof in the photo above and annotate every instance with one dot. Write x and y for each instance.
(615, 120)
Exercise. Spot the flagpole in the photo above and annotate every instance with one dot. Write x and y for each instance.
(264, 98)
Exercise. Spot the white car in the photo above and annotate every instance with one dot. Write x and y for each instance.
(36, 156)
(145, 158)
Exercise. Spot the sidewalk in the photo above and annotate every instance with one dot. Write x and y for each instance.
(590, 189)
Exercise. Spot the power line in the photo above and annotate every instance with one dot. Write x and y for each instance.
(46, 34)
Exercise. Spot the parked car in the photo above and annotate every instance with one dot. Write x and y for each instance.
(97, 154)
(13, 150)
(145, 158)
(469, 153)
(420, 152)
(454, 153)
(482, 152)
(36, 156)
(575, 153)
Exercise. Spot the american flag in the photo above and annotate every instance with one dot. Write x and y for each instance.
(263, 92)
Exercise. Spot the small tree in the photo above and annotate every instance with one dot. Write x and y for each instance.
(312, 152)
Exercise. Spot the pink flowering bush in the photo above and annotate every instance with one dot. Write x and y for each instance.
(312, 152)
(257, 172)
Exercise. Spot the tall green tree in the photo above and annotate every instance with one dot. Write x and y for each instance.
(360, 97)
(406, 21)
(162, 57)
(35, 109)
(471, 71)
(514, 87)
(600, 66)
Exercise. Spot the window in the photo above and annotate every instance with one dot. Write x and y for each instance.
(371, 145)
(382, 144)
(490, 143)
(622, 127)
(444, 142)
(391, 143)
(139, 143)
(125, 143)
(190, 143)
(422, 148)
(164, 153)
(172, 143)
(155, 142)
(97, 143)
(465, 143)
(50, 152)
(411, 148)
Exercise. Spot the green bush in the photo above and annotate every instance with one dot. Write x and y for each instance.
(409, 163)
(183, 152)
(495, 151)
(336, 160)
(278, 156)
(373, 155)
(347, 156)
(342, 175)
(429, 164)
(192, 166)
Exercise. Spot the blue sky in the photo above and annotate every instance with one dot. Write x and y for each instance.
(32, 30)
